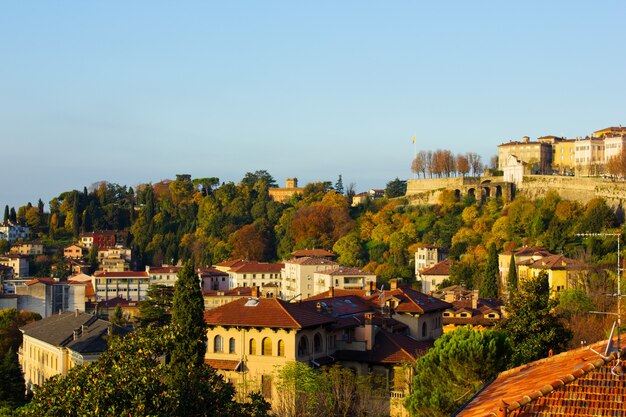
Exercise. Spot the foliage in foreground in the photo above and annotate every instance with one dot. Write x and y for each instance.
(532, 324)
(335, 391)
(459, 364)
(130, 379)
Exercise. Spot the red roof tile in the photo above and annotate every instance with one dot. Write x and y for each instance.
(575, 383)
(264, 312)
(309, 260)
(47, 281)
(440, 268)
(223, 364)
(165, 269)
(125, 274)
(344, 271)
(556, 262)
(257, 267)
(319, 253)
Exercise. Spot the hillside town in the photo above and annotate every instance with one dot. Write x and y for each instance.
(491, 294)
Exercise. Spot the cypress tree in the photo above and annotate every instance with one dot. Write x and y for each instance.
(489, 285)
(6, 213)
(187, 355)
(13, 215)
(339, 185)
(512, 277)
(12, 388)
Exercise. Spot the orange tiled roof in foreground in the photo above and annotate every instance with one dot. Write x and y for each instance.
(575, 383)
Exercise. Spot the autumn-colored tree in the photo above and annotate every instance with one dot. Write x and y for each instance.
(462, 165)
(249, 243)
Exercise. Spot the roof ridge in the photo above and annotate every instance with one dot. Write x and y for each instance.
(288, 313)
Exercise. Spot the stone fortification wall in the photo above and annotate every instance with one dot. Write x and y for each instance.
(428, 191)
(574, 188)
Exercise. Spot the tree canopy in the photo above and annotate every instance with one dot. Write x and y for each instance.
(459, 364)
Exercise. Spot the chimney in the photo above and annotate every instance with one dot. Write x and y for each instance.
(318, 307)
(372, 286)
(525, 139)
(76, 312)
(393, 284)
(331, 291)
(369, 331)
(475, 299)
(449, 296)
(255, 292)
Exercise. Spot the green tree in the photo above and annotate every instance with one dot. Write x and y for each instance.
(489, 284)
(531, 323)
(13, 215)
(6, 213)
(459, 364)
(339, 185)
(395, 188)
(4, 247)
(12, 388)
(130, 379)
(118, 317)
(10, 322)
(187, 354)
(157, 307)
(512, 277)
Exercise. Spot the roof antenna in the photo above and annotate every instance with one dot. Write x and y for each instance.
(615, 370)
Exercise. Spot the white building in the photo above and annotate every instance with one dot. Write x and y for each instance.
(163, 275)
(297, 276)
(589, 155)
(614, 146)
(19, 264)
(47, 296)
(243, 273)
(12, 231)
(343, 278)
(129, 285)
(428, 255)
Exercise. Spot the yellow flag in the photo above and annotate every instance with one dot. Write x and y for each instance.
(414, 137)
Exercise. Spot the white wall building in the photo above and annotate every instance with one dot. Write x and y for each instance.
(129, 285)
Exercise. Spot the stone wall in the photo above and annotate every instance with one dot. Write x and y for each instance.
(582, 189)
(574, 188)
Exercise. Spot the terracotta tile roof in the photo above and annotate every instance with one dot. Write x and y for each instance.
(257, 267)
(265, 312)
(309, 260)
(223, 364)
(347, 305)
(389, 348)
(231, 263)
(47, 281)
(556, 262)
(575, 383)
(529, 251)
(344, 271)
(165, 269)
(319, 253)
(211, 272)
(125, 274)
(440, 268)
(410, 300)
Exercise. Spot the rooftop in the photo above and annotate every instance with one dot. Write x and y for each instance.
(577, 383)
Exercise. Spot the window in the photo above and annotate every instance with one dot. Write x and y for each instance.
(424, 330)
(281, 348)
(231, 345)
(218, 344)
(266, 348)
(303, 346)
(252, 349)
(317, 343)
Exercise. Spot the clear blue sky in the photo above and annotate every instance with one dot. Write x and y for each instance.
(138, 91)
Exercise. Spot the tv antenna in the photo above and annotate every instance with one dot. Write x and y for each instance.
(618, 322)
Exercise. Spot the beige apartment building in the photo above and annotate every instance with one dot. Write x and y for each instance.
(564, 155)
(297, 276)
(538, 155)
(589, 156)
(343, 278)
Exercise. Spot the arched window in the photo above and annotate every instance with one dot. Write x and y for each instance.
(218, 344)
(231, 345)
(303, 346)
(281, 348)
(252, 347)
(424, 330)
(317, 343)
(266, 348)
